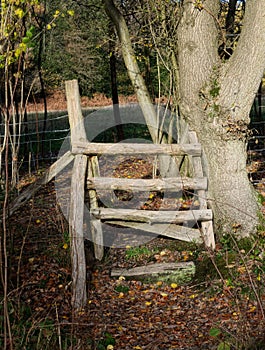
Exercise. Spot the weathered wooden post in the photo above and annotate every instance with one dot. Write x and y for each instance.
(76, 212)
(206, 226)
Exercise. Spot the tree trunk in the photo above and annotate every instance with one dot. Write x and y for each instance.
(114, 89)
(216, 98)
(130, 61)
(167, 165)
(231, 195)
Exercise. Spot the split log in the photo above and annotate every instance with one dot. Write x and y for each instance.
(207, 227)
(95, 224)
(76, 212)
(76, 217)
(77, 128)
(93, 148)
(180, 272)
(166, 184)
(151, 216)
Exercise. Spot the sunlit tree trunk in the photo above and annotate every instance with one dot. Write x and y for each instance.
(216, 98)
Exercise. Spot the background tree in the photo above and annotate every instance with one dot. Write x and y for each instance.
(77, 46)
(17, 35)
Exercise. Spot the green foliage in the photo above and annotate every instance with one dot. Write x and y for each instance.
(137, 252)
(215, 89)
(214, 332)
(107, 340)
(121, 288)
(76, 48)
(223, 346)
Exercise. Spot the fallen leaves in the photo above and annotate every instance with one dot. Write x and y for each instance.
(133, 314)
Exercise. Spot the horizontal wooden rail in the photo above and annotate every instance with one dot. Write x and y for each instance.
(150, 216)
(93, 148)
(167, 184)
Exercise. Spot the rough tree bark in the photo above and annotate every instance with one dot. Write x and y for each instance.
(216, 98)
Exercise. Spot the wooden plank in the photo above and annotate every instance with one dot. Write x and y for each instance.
(95, 223)
(76, 214)
(78, 134)
(181, 233)
(93, 148)
(151, 216)
(207, 227)
(166, 184)
(49, 174)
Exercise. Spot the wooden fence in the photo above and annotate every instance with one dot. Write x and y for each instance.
(85, 179)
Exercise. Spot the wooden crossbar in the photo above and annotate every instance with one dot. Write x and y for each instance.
(153, 216)
(93, 148)
(166, 184)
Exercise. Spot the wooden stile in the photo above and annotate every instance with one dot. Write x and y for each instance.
(176, 224)
(166, 223)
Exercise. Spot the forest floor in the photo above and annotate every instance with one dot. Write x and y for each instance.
(222, 307)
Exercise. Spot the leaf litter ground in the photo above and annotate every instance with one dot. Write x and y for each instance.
(125, 314)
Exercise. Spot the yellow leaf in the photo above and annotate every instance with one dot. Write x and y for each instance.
(121, 278)
(252, 309)
(38, 221)
(148, 303)
(49, 27)
(137, 347)
(121, 295)
(56, 14)
(71, 12)
(193, 296)
(164, 295)
(159, 283)
(110, 347)
(65, 246)
(31, 260)
(258, 278)
(174, 285)
(19, 12)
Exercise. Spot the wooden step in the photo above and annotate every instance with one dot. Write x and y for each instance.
(151, 216)
(167, 184)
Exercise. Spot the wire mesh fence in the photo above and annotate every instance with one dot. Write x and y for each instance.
(40, 139)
